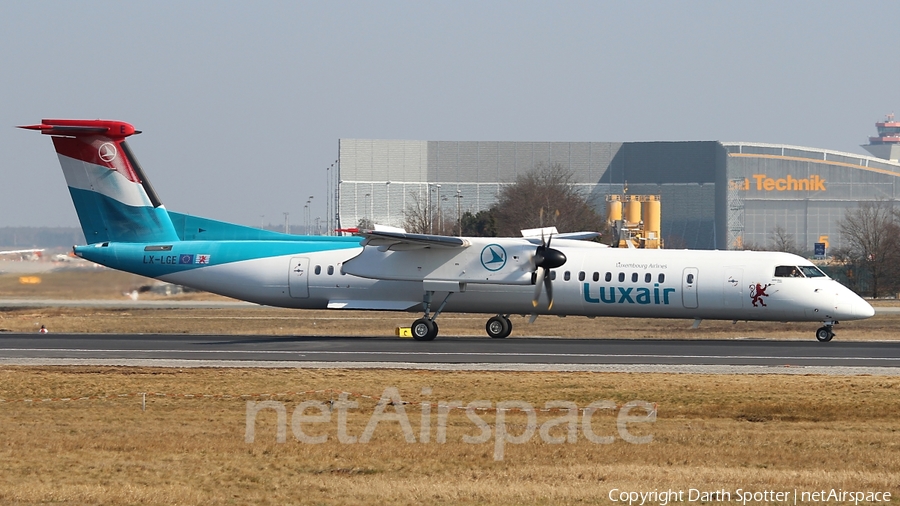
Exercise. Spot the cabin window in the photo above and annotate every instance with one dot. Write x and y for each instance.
(634, 277)
(330, 270)
(648, 277)
(811, 271)
(662, 278)
(567, 276)
(552, 275)
(596, 277)
(621, 277)
(787, 271)
(608, 277)
(690, 279)
(318, 270)
(581, 276)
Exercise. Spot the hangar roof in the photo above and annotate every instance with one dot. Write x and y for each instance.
(800, 153)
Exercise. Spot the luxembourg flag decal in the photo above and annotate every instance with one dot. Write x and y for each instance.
(201, 259)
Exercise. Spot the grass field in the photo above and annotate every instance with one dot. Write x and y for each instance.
(755, 433)
(78, 435)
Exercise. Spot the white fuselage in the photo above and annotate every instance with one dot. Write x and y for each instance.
(594, 281)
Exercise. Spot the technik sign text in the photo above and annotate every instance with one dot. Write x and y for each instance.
(762, 182)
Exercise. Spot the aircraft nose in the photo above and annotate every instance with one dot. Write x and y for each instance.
(863, 309)
(850, 306)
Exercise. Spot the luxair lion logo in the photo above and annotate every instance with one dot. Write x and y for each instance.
(757, 292)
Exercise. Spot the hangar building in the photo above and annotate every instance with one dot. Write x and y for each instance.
(715, 195)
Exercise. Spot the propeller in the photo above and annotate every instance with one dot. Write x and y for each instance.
(545, 258)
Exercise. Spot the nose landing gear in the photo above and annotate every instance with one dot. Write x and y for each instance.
(824, 334)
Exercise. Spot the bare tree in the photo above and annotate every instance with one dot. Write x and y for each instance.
(781, 240)
(365, 224)
(544, 197)
(423, 215)
(870, 234)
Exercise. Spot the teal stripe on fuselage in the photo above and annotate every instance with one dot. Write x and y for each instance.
(195, 228)
(154, 261)
(105, 219)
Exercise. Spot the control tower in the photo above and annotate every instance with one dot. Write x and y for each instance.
(887, 144)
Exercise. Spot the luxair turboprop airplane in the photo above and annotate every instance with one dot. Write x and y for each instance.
(129, 229)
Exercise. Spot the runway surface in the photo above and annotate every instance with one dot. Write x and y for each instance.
(714, 356)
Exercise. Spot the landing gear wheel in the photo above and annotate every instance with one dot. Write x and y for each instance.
(824, 334)
(508, 327)
(498, 327)
(424, 329)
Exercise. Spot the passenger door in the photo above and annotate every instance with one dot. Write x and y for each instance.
(689, 287)
(298, 278)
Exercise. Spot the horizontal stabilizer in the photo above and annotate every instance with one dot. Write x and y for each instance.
(83, 127)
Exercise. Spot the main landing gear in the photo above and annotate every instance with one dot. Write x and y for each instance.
(426, 328)
(824, 334)
(498, 326)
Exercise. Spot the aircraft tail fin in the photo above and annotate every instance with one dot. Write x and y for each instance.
(113, 198)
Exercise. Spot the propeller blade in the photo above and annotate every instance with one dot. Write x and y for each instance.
(537, 286)
(549, 287)
(545, 258)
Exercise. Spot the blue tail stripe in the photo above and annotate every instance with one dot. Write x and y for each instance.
(104, 219)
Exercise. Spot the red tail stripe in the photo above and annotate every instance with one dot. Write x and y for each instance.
(81, 127)
(98, 150)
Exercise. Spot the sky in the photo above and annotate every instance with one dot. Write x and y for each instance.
(242, 104)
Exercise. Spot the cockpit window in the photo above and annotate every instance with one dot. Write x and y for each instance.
(787, 271)
(802, 271)
(812, 271)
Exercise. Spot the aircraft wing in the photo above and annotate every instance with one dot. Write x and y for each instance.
(577, 235)
(20, 251)
(403, 241)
